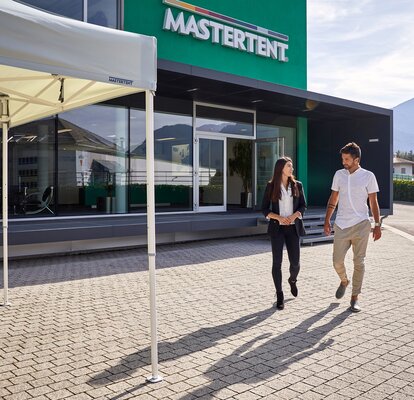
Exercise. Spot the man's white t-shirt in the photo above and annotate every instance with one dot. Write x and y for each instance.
(353, 195)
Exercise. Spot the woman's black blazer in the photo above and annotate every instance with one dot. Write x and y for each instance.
(299, 204)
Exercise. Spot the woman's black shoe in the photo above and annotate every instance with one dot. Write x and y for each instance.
(293, 287)
(280, 301)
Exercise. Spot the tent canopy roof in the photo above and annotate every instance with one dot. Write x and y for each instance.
(50, 64)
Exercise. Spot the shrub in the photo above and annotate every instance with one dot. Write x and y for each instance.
(403, 190)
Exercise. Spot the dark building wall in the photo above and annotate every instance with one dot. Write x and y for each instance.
(325, 139)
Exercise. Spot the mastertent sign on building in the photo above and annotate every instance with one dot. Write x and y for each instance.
(262, 39)
(226, 35)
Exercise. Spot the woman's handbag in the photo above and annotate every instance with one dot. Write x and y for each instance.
(300, 226)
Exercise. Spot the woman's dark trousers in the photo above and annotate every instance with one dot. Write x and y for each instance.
(285, 235)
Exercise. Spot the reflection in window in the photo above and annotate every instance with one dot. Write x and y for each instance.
(68, 8)
(32, 168)
(173, 162)
(99, 12)
(273, 142)
(103, 13)
(92, 144)
(230, 122)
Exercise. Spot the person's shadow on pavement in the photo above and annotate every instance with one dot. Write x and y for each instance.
(250, 365)
(200, 340)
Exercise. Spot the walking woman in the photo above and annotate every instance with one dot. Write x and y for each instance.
(283, 205)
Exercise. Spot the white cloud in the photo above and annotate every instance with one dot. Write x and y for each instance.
(362, 50)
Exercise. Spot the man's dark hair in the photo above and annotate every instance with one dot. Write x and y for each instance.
(353, 149)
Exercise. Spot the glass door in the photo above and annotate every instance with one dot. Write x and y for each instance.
(210, 173)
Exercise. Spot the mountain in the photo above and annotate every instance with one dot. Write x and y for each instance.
(404, 126)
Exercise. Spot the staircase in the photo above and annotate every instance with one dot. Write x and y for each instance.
(313, 222)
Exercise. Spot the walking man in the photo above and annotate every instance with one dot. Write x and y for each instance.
(351, 187)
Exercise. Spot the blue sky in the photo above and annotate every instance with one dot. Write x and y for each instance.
(362, 50)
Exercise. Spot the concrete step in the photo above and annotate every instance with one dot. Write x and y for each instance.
(316, 239)
(313, 223)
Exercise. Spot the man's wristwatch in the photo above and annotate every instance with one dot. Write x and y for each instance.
(377, 224)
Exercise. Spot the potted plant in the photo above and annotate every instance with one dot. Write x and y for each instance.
(241, 165)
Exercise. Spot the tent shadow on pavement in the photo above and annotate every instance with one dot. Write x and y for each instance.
(277, 353)
(200, 340)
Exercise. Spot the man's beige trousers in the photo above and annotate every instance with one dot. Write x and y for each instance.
(357, 236)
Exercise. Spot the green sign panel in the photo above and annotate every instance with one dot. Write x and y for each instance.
(261, 39)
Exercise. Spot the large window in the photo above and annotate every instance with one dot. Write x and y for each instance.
(173, 162)
(92, 157)
(32, 169)
(92, 160)
(98, 12)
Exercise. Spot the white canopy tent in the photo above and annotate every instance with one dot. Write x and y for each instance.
(51, 64)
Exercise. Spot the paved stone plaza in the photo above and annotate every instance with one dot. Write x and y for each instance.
(78, 327)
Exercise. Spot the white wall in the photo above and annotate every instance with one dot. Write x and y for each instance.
(408, 169)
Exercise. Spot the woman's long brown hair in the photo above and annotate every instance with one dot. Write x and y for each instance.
(276, 180)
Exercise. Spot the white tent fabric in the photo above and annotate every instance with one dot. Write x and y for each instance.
(51, 64)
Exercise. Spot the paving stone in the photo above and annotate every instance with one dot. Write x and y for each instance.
(18, 396)
(59, 394)
(42, 390)
(400, 396)
(3, 393)
(20, 387)
(80, 396)
(247, 396)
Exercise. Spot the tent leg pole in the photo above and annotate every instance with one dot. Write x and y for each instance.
(149, 104)
(5, 127)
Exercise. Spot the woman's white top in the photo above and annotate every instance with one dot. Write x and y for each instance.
(286, 202)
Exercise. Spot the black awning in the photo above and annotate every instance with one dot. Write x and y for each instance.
(183, 81)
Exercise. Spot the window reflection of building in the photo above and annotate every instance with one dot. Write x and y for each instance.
(173, 161)
(224, 120)
(31, 161)
(93, 159)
